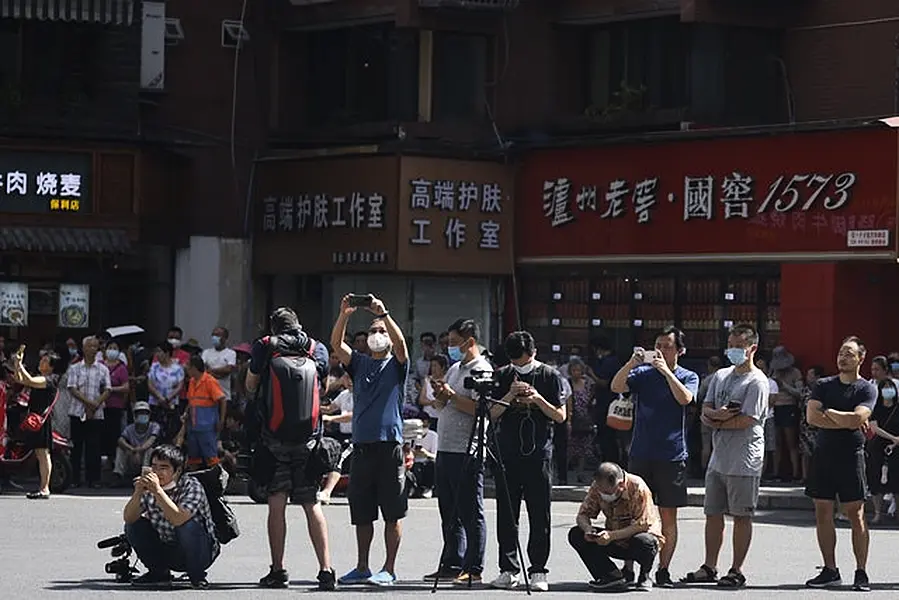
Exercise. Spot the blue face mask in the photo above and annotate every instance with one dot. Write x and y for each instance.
(736, 356)
(455, 353)
(888, 393)
(141, 419)
(894, 366)
(216, 340)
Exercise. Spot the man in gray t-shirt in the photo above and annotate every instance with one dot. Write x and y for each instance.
(735, 409)
(460, 478)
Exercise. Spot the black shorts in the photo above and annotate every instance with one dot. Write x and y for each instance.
(666, 480)
(377, 481)
(837, 477)
(786, 416)
(283, 469)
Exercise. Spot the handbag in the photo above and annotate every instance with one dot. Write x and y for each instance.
(621, 414)
(34, 422)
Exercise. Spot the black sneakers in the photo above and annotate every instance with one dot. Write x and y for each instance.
(663, 578)
(327, 580)
(861, 583)
(153, 580)
(628, 575)
(827, 578)
(276, 578)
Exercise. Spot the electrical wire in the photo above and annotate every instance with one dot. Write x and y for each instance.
(235, 79)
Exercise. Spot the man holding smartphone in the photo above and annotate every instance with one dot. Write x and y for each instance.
(661, 389)
(734, 408)
(378, 475)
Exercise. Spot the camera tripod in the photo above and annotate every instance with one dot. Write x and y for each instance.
(477, 453)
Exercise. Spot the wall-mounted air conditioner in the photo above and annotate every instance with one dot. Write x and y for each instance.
(234, 34)
(152, 46)
(174, 33)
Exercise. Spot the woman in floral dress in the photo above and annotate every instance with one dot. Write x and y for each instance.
(580, 442)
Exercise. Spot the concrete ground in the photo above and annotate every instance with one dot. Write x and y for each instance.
(50, 547)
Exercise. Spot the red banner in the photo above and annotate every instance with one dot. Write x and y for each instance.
(785, 193)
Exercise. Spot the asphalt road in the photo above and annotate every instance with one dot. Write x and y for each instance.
(49, 550)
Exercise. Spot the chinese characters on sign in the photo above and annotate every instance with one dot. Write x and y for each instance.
(322, 211)
(74, 305)
(44, 182)
(13, 304)
(359, 258)
(734, 196)
(868, 238)
(455, 197)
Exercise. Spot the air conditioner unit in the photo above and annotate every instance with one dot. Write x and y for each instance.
(152, 46)
(234, 34)
(174, 33)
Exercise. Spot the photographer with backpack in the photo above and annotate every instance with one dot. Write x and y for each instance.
(284, 423)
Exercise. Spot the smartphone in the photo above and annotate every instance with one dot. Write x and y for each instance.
(146, 470)
(734, 405)
(360, 300)
(649, 356)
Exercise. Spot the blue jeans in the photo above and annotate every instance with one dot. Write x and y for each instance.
(191, 553)
(461, 494)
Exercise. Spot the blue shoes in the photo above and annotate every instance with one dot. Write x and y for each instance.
(355, 577)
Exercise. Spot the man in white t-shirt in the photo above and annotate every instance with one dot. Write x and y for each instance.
(220, 360)
(340, 410)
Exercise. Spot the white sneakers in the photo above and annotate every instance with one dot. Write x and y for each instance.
(510, 581)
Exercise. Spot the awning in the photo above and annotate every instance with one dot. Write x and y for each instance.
(64, 240)
(118, 12)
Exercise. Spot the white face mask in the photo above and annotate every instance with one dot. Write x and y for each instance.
(176, 343)
(378, 342)
(525, 368)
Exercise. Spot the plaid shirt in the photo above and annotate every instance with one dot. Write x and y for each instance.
(190, 496)
(89, 380)
(634, 507)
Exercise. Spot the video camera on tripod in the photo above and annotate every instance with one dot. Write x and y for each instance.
(482, 382)
(121, 552)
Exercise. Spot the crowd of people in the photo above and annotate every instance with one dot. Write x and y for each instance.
(302, 408)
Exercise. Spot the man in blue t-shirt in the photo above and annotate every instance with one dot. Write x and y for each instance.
(378, 473)
(661, 390)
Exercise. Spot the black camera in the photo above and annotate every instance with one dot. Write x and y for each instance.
(121, 551)
(481, 382)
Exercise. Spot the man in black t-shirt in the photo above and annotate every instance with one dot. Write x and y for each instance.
(839, 407)
(524, 434)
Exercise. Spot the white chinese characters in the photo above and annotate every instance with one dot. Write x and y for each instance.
(427, 199)
(321, 211)
(702, 197)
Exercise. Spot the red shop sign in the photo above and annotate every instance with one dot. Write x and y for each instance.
(776, 194)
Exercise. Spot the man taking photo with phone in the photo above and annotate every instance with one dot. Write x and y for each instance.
(378, 473)
(661, 389)
(735, 407)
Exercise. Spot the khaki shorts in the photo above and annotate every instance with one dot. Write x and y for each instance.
(734, 495)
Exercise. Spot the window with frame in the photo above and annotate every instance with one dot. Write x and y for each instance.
(462, 68)
(637, 65)
(362, 74)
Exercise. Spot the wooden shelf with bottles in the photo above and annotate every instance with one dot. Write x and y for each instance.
(630, 310)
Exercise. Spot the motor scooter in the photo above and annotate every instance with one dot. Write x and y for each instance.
(17, 459)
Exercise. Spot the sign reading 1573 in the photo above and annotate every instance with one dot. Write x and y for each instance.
(38, 182)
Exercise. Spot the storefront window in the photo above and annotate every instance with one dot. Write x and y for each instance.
(362, 74)
(628, 306)
(461, 71)
(637, 65)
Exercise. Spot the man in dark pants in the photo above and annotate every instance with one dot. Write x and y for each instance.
(524, 435)
(633, 529)
(840, 407)
(460, 477)
(662, 390)
(602, 368)
(378, 475)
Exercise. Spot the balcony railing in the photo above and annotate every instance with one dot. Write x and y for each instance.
(470, 4)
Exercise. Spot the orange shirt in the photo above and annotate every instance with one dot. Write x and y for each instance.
(204, 392)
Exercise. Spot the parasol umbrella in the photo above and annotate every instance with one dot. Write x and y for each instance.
(123, 330)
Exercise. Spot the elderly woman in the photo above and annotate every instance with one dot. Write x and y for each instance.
(580, 443)
(43, 391)
(787, 402)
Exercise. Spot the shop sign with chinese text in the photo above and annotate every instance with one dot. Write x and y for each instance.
(455, 216)
(324, 214)
(74, 305)
(40, 182)
(765, 194)
(13, 304)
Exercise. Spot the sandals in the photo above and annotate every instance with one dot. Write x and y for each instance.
(734, 579)
(37, 496)
(704, 575)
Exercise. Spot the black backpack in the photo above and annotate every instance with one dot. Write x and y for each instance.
(215, 482)
(287, 402)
